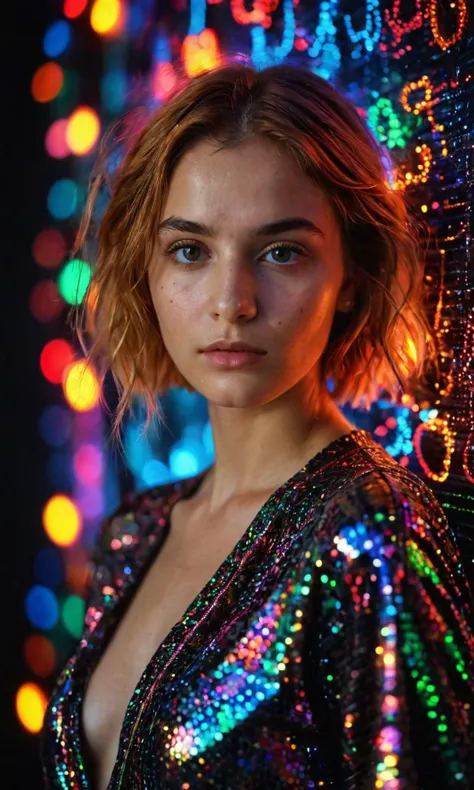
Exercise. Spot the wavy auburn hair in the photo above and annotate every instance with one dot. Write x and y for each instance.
(383, 345)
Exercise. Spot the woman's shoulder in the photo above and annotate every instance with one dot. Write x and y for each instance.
(388, 514)
(132, 520)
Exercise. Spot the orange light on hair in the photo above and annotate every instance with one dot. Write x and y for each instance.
(30, 706)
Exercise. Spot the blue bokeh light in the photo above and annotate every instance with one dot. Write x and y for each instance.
(57, 38)
(41, 607)
(62, 198)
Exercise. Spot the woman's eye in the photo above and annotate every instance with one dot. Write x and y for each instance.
(193, 247)
(282, 251)
(279, 253)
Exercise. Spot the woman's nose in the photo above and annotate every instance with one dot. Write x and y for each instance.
(234, 291)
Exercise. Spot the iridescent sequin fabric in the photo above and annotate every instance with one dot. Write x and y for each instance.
(333, 648)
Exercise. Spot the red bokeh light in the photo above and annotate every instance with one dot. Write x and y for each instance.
(55, 357)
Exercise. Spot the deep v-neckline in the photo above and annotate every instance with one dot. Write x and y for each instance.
(258, 525)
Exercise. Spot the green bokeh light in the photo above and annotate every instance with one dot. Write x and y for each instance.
(73, 280)
(72, 615)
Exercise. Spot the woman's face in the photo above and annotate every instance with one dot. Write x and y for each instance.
(237, 287)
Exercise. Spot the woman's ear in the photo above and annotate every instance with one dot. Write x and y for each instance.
(346, 298)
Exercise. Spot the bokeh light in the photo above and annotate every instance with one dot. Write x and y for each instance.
(88, 464)
(40, 655)
(45, 301)
(41, 607)
(83, 130)
(74, 8)
(155, 473)
(164, 81)
(62, 198)
(77, 569)
(49, 248)
(47, 82)
(81, 386)
(57, 38)
(55, 140)
(107, 17)
(61, 520)
(72, 615)
(90, 499)
(30, 706)
(54, 358)
(74, 280)
(113, 89)
(183, 461)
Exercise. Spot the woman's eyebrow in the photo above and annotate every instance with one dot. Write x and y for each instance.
(269, 229)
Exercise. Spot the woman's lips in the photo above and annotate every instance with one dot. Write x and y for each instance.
(233, 359)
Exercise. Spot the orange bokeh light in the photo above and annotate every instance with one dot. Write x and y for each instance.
(30, 706)
(47, 82)
(40, 655)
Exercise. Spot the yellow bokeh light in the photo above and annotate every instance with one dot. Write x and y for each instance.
(62, 520)
(81, 386)
(30, 706)
(82, 131)
(106, 16)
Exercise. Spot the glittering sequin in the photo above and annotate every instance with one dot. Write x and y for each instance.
(334, 647)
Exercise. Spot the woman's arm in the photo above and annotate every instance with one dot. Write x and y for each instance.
(395, 641)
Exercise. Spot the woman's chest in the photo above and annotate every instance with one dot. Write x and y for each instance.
(176, 577)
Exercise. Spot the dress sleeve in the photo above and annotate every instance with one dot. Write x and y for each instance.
(394, 639)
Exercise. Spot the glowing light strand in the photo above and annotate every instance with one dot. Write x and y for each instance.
(261, 54)
(368, 36)
(324, 47)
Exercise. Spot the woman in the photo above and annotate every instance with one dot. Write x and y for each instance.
(297, 614)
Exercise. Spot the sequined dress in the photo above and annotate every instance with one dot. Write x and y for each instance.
(333, 648)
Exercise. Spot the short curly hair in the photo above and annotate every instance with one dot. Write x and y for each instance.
(383, 345)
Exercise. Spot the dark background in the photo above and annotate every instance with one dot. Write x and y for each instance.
(25, 180)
